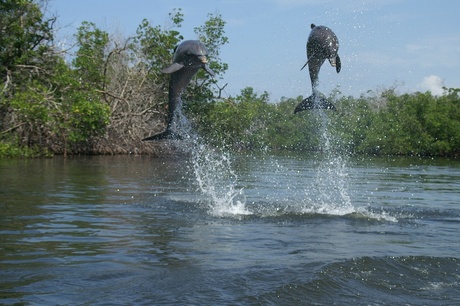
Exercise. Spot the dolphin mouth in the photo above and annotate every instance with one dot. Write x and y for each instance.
(332, 61)
(203, 59)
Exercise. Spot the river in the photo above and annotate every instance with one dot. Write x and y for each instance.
(256, 229)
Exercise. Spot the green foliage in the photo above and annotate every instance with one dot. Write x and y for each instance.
(30, 105)
(68, 113)
(156, 44)
(408, 124)
(286, 131)
(91, 55)
(113, 93)
(25, 40)
(86, 118)
(234, 121)
(351, 122)
(9, 150)
(78, 112)
(45, 104)
(250, 122)
(415, 124)
(83, 112)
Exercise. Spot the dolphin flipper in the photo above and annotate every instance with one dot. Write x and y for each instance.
(335, 62)
(314, 102)
(338, 64)
(208, 70)
(304, 65)
(173, 68)
(308, 60)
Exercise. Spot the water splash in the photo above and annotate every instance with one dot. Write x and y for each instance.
(217, 181)
(213, 171)
(330, 193)
(180, 125)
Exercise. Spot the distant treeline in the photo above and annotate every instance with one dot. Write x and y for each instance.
(106, 93)
(378, 124)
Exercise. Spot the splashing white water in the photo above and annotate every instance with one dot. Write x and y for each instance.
(217, 181)
(331, 192)
(213, 172)
(180, 125)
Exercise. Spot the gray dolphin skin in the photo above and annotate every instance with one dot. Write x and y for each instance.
(189, 57)
(322, 44)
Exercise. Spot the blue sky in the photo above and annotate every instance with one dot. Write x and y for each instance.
(412, 44)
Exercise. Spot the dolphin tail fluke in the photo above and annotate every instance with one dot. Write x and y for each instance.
(314, 102)
(166, 135)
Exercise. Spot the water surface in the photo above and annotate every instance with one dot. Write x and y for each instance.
(274, 230)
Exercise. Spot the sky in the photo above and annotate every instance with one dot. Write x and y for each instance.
(410, 45)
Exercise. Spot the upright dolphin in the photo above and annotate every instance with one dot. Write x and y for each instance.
(322, 44)
(189, 57)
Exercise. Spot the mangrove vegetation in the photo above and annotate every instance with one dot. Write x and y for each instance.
(105, 93)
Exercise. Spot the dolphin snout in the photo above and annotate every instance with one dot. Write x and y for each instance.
(203, 59)
(332, 61)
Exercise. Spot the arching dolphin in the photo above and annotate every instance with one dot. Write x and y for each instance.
(322, 44)
(189, 57)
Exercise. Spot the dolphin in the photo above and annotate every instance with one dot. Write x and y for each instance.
(322, 44)
(189, 57)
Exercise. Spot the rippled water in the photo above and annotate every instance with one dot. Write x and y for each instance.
(274, 230)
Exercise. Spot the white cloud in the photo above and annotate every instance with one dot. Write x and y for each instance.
(432, 83)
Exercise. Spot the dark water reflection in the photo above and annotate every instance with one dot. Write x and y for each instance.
(136, 230)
